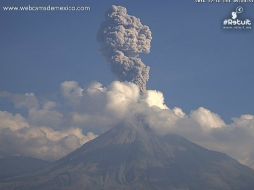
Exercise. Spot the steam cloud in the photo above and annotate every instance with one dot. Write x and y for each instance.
(123, 38)
(52, 129)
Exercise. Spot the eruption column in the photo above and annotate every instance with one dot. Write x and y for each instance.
(123, 38)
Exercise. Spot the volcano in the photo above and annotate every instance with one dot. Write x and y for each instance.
(131, 157)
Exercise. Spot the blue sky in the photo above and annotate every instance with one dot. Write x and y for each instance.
(193, 61)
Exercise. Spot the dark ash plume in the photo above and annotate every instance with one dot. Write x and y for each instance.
(123, 38)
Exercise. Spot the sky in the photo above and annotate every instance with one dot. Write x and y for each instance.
(57, 90)
(193, 61)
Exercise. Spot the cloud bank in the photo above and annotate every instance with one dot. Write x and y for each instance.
(52, 129)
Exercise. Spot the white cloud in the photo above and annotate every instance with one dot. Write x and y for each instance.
(120, 96)
(46, 116)
(155, 98)
(71, 91)
(17, 136)
(52, 129)
(12, 122)
(207, 119)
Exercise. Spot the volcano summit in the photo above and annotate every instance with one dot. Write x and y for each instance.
(135, 157)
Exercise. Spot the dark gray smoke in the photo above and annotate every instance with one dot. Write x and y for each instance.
(123, 38)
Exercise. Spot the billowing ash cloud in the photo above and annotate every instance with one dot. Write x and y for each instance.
(123, 38)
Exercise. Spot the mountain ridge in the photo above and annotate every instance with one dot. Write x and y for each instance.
(14, 166)
(133, 156)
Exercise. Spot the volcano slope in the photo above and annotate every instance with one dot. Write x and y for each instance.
(135, 157)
